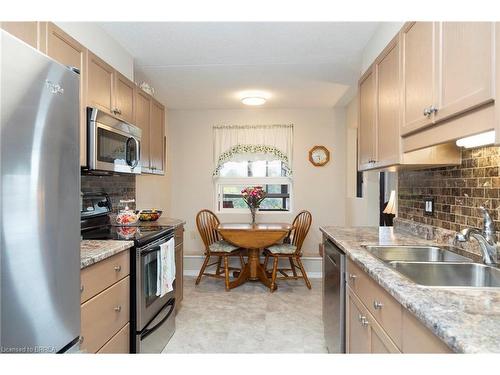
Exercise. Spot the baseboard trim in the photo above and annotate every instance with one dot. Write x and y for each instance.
(192, 265)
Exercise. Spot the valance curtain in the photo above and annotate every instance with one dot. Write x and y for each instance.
(253, 142)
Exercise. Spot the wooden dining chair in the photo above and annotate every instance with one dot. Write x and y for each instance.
(207, 223)
(291, 248)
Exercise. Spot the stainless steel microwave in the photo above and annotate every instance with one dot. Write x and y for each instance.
(113, 145)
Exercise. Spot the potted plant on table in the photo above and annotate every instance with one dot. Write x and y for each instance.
(253, 197)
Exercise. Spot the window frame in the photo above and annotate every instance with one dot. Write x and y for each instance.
(250, 181)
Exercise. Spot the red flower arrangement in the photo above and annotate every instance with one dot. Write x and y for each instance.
(253, 197)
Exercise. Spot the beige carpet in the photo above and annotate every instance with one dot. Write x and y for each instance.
(249, 319)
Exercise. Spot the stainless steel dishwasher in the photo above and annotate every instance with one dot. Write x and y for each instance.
(334, 297)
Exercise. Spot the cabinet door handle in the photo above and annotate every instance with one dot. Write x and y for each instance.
(377, 305)
(432, 110)
(118, 308)
(427, 112)
(118, 268)
(81, 288)
(352, 277)
(364, 322)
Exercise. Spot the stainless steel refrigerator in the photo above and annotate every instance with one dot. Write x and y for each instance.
(39, 201)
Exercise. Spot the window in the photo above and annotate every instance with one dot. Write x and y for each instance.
(236, 175)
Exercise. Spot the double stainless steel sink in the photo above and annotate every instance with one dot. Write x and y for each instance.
(437, 267)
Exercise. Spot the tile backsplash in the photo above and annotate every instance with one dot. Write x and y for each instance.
(458, 191)
(116, 186)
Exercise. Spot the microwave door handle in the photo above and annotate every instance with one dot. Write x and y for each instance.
(138, 152)
(128, 156)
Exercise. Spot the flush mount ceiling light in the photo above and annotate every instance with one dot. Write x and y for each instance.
(253, 97)
(478, 140)
(253, 100)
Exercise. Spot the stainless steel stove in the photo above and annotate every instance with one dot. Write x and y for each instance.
(152, 317)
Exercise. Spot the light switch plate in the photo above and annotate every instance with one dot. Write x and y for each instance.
(428, 206)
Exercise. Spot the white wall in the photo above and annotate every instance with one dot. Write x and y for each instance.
(102, 44)
(318, 189)
(382, 36)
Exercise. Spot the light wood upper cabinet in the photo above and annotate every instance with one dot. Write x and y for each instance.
(157, 135)
(388, 104)
(367, 130)
(100, 83)
(417, 43)
(66, 50)
(28, 32)
(465, 53)
(124, 98)
(143, 120)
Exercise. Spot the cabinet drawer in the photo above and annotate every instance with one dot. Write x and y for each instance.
(366, 335)
(384, 308)
(104, 315)
(102, 275)
(119, 343)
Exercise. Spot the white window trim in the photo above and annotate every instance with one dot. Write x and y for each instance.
(249, 181)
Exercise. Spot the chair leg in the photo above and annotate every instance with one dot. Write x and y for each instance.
(202, 270)
(292, 266)
(226, 272)
(219, 262)
(242, 262)
(303, 271)
(266, 260)
(273, 278)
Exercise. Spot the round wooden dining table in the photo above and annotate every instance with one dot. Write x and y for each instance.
(255, 238)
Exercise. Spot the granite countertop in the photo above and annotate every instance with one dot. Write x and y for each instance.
(161, 222)
(93, 251)
(467, 320)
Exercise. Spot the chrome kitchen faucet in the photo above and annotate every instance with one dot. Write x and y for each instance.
(487, 238)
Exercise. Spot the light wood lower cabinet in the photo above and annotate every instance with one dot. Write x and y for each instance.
(179, 265)
(119, 343)
(377, 323)
(105, 311)
(365, 335)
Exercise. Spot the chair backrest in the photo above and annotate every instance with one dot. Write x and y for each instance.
(301, 225)
(207, 223)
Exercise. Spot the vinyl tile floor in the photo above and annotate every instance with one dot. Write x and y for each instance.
(249, 319)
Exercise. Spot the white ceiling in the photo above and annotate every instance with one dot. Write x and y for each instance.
(206, 65)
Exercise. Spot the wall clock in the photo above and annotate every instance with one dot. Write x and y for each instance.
(319, 156)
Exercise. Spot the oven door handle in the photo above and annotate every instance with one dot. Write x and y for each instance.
(147, 331)
(154, 249)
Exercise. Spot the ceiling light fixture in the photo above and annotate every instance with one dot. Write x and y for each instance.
(253, 100)
(478, 140)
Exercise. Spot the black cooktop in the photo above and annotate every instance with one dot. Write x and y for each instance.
(140, 235)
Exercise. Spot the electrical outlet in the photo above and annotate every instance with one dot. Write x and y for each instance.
(428, 206)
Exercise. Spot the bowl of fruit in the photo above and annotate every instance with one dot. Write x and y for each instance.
(149, 215)
(127, 216)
